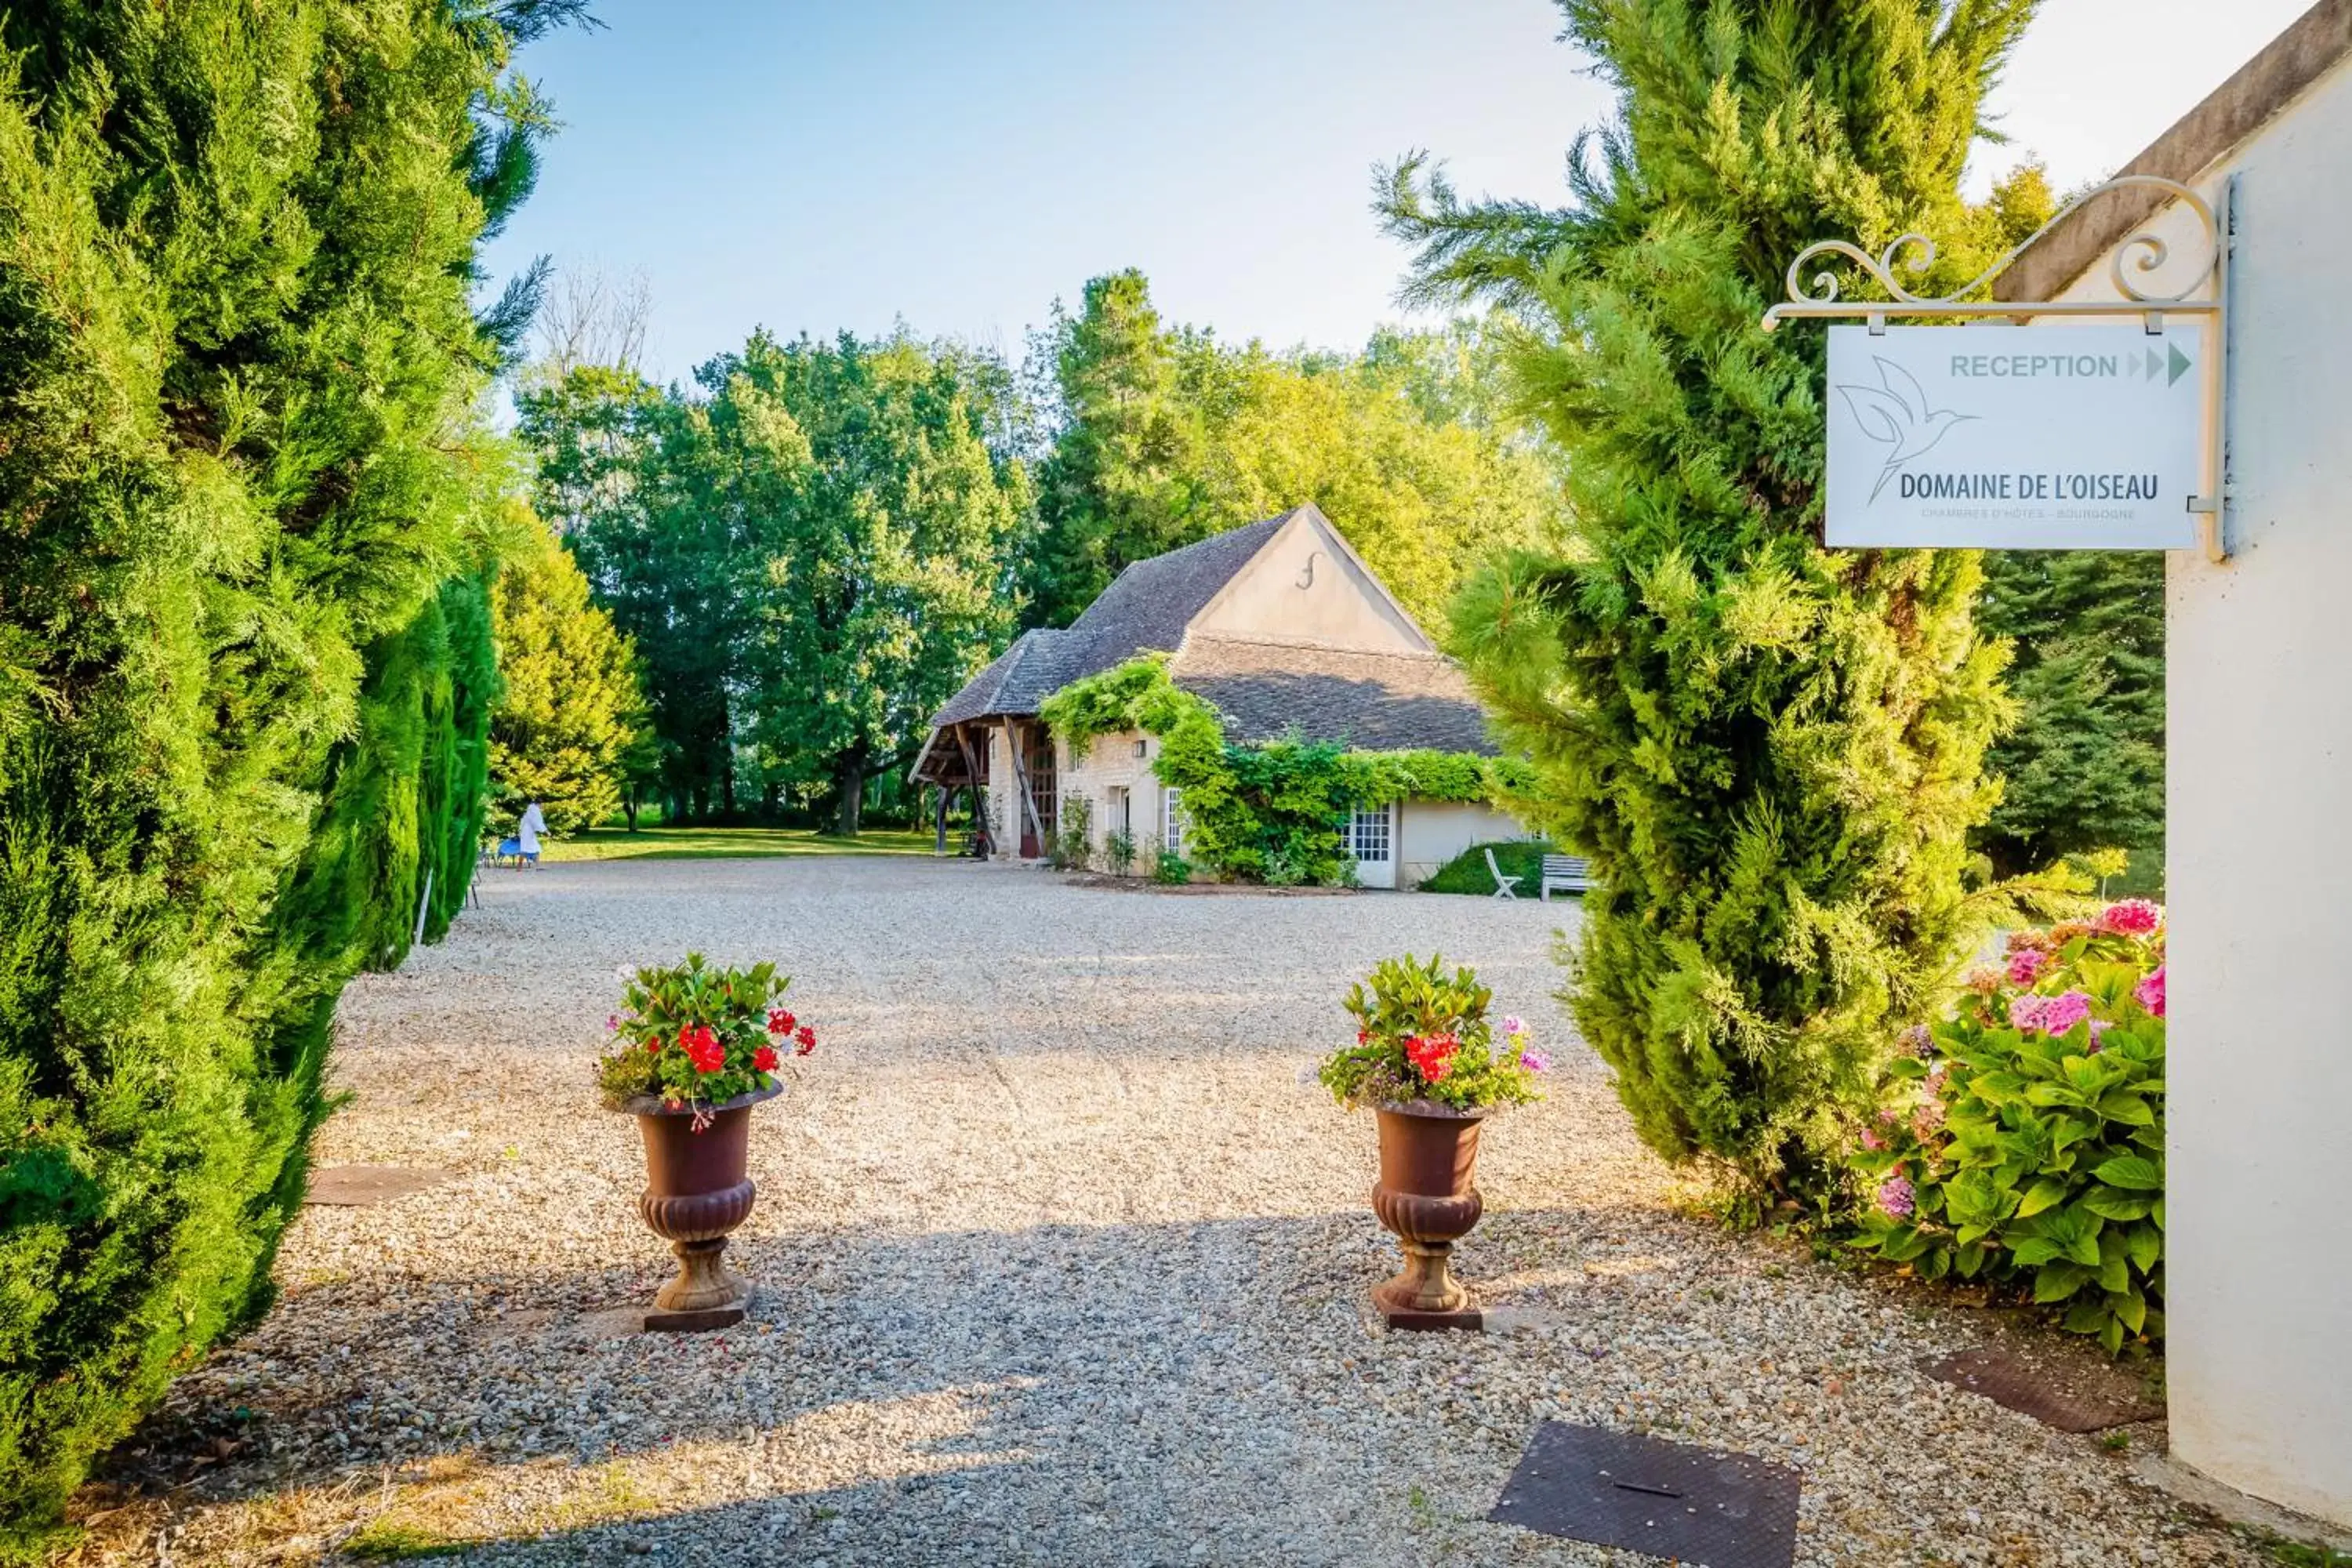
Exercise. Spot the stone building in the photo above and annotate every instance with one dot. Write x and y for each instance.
(1281, 628)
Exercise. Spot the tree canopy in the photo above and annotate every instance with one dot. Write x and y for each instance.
(1163, 436)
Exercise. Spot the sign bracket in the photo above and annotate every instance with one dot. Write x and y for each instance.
(1817, 299)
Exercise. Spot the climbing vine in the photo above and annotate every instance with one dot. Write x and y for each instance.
(1272, 813)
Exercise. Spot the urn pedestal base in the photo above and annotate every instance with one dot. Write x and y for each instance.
(1425, 1295)
(706, 1294)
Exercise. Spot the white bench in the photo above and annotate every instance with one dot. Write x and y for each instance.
(1568, 873)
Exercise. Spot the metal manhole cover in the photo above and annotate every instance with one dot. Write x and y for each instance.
(355, 1186)
(1675, 1501)
(2041, 1393)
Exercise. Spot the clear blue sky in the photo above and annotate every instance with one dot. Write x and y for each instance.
(822, 165)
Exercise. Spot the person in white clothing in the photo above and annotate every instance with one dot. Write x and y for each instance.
(526, 833)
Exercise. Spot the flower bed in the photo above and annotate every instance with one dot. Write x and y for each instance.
(2023, 1140)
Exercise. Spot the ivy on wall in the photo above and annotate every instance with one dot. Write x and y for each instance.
(1272, 813)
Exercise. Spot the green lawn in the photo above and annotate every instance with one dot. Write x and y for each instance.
(728, 843)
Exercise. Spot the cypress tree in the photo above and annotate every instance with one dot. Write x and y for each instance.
(238, 372)
(1772, 753)
(572, 713)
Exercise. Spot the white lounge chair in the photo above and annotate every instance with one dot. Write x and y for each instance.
(1506, 884)
(1569, 873)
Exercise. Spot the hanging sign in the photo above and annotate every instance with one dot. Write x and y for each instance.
(2040, 437)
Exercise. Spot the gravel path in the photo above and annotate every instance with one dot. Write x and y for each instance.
(1059, 1262)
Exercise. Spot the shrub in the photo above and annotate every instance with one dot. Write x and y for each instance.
(1171, 870)
(1468, 873)
(694, 1035)
(2023, 1140)
(1118, 852)
(1073, 848)
(1422, 1035)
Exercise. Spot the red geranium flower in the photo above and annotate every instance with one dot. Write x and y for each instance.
(779, 1021)
(806, 1039)
(764, 1059)
(1432, 1058)
(700, 1043)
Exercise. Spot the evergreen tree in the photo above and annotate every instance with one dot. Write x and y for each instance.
(569, 721)
(239, 713)
(1116, 488)
(1772, 753)
(2083, 767)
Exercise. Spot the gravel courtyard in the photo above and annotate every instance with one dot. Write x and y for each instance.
(1059, 1261)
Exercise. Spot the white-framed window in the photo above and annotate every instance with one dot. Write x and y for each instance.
(1367, 833)
(1171, 821)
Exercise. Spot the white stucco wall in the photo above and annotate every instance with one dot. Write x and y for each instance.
(2259, 854)
(1304, 585)
(1435, 832)
(1123, 761)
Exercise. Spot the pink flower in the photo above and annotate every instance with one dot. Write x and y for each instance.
(2025, 1012)
(2132, 917)
(2024, 965)
(1927, 1119)
(612, 1022)
(1534, 1061)
(1896, 1197)
(1872, 1140)
(1984, 980)
(2098, 1027)
(2064, 1012)
(2149, 993)
(1512, 1026)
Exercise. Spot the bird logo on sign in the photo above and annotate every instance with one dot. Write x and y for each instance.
(1895, 414)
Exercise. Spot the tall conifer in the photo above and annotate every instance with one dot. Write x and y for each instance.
(240, 713)
(1772, 753)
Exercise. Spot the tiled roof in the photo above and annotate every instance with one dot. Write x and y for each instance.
(1367, 700)
(1147, 607)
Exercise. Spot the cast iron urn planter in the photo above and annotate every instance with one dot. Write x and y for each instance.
(696, 1191)
(1427, 1195)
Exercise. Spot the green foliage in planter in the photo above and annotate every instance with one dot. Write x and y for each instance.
(1772, 753)
(1171, 869)
(1272, 813)
(1421, 1033)
(690, 1034)
(2026, 1142)
(240, 716)
(1468, 873)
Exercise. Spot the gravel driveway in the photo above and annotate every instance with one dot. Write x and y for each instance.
(1059, 1262)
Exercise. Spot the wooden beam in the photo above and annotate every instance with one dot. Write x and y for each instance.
(1021, 772)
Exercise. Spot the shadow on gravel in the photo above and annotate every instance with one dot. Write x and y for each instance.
(1088, 1378)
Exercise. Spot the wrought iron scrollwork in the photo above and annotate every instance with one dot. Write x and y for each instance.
(2144, 252)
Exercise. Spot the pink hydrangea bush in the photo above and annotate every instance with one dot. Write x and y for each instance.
(2022, 1141)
